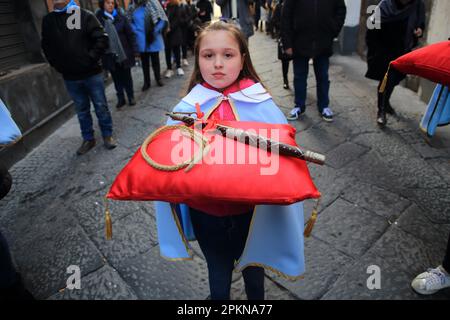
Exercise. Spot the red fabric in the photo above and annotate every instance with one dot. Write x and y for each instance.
(224, 110)
(431, 62)
(242, 184)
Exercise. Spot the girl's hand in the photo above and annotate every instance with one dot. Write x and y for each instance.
(289, 51)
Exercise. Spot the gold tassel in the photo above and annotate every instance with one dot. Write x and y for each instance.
(384, 83)
(108, 221)
(312, 220)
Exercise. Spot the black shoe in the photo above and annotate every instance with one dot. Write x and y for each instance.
(120, 104)
(159, 83)
(109, 143)
(286, 85)
(381, 119)
(146, 86)
(131, 102)
(86, 146)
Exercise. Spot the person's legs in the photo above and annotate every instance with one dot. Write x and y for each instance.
(184, 51)
(321, 66)
(80, 96)
(96, 91)
(253, 276)
(128, 84)
(211, 234)
(168, 55)
(156, 67)
(145, 56)
(285, 68)
(177, 54)
(301, 69)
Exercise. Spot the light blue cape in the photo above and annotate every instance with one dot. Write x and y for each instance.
(438, 111)
(275, 239)
(9, 132)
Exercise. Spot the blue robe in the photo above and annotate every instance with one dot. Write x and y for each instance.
(9, 132)
(438, 111)
(275, 239)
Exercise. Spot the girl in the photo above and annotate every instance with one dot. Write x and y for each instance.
(149, 22)
(120, 59)
(227, 87)
(402, 24)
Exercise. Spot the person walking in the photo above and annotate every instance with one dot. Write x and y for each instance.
(175, 35)
(149, 22)
(402, 23)
(76, 54)
(122, 43)
(308, 29)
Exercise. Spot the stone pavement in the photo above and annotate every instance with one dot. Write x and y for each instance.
(386, 200)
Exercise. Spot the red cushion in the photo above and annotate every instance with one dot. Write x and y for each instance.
(431, 62)
(235, 183)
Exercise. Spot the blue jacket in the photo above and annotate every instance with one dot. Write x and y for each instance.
(138, 25)
(275, 239)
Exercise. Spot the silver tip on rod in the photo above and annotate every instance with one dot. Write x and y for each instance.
(314, 157)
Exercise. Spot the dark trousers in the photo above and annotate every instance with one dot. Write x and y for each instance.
(145, 57)
(7, 272)
(82, 92)
(301, 70)
(176, 52)
(123, 82)
(222, 241)
(285, 68)
(394, 79)
(446, 263)
(184, 50)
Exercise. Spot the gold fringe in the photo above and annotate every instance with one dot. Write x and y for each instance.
(108, 221)
(384, 83)
(312, 220)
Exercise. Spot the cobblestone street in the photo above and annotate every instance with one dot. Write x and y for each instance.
(386, 199)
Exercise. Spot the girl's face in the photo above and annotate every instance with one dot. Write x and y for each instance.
(109, 6)
(220, 59)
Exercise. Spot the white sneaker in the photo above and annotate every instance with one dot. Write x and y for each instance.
(168, 73)
(180, 72)
(431, 281)
(185, 62)
(296, 113)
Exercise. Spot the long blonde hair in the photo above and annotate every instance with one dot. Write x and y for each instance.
(248, 71)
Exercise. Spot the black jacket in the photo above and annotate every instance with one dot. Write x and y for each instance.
(74, 53)
(127, 38)
(309, 26)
